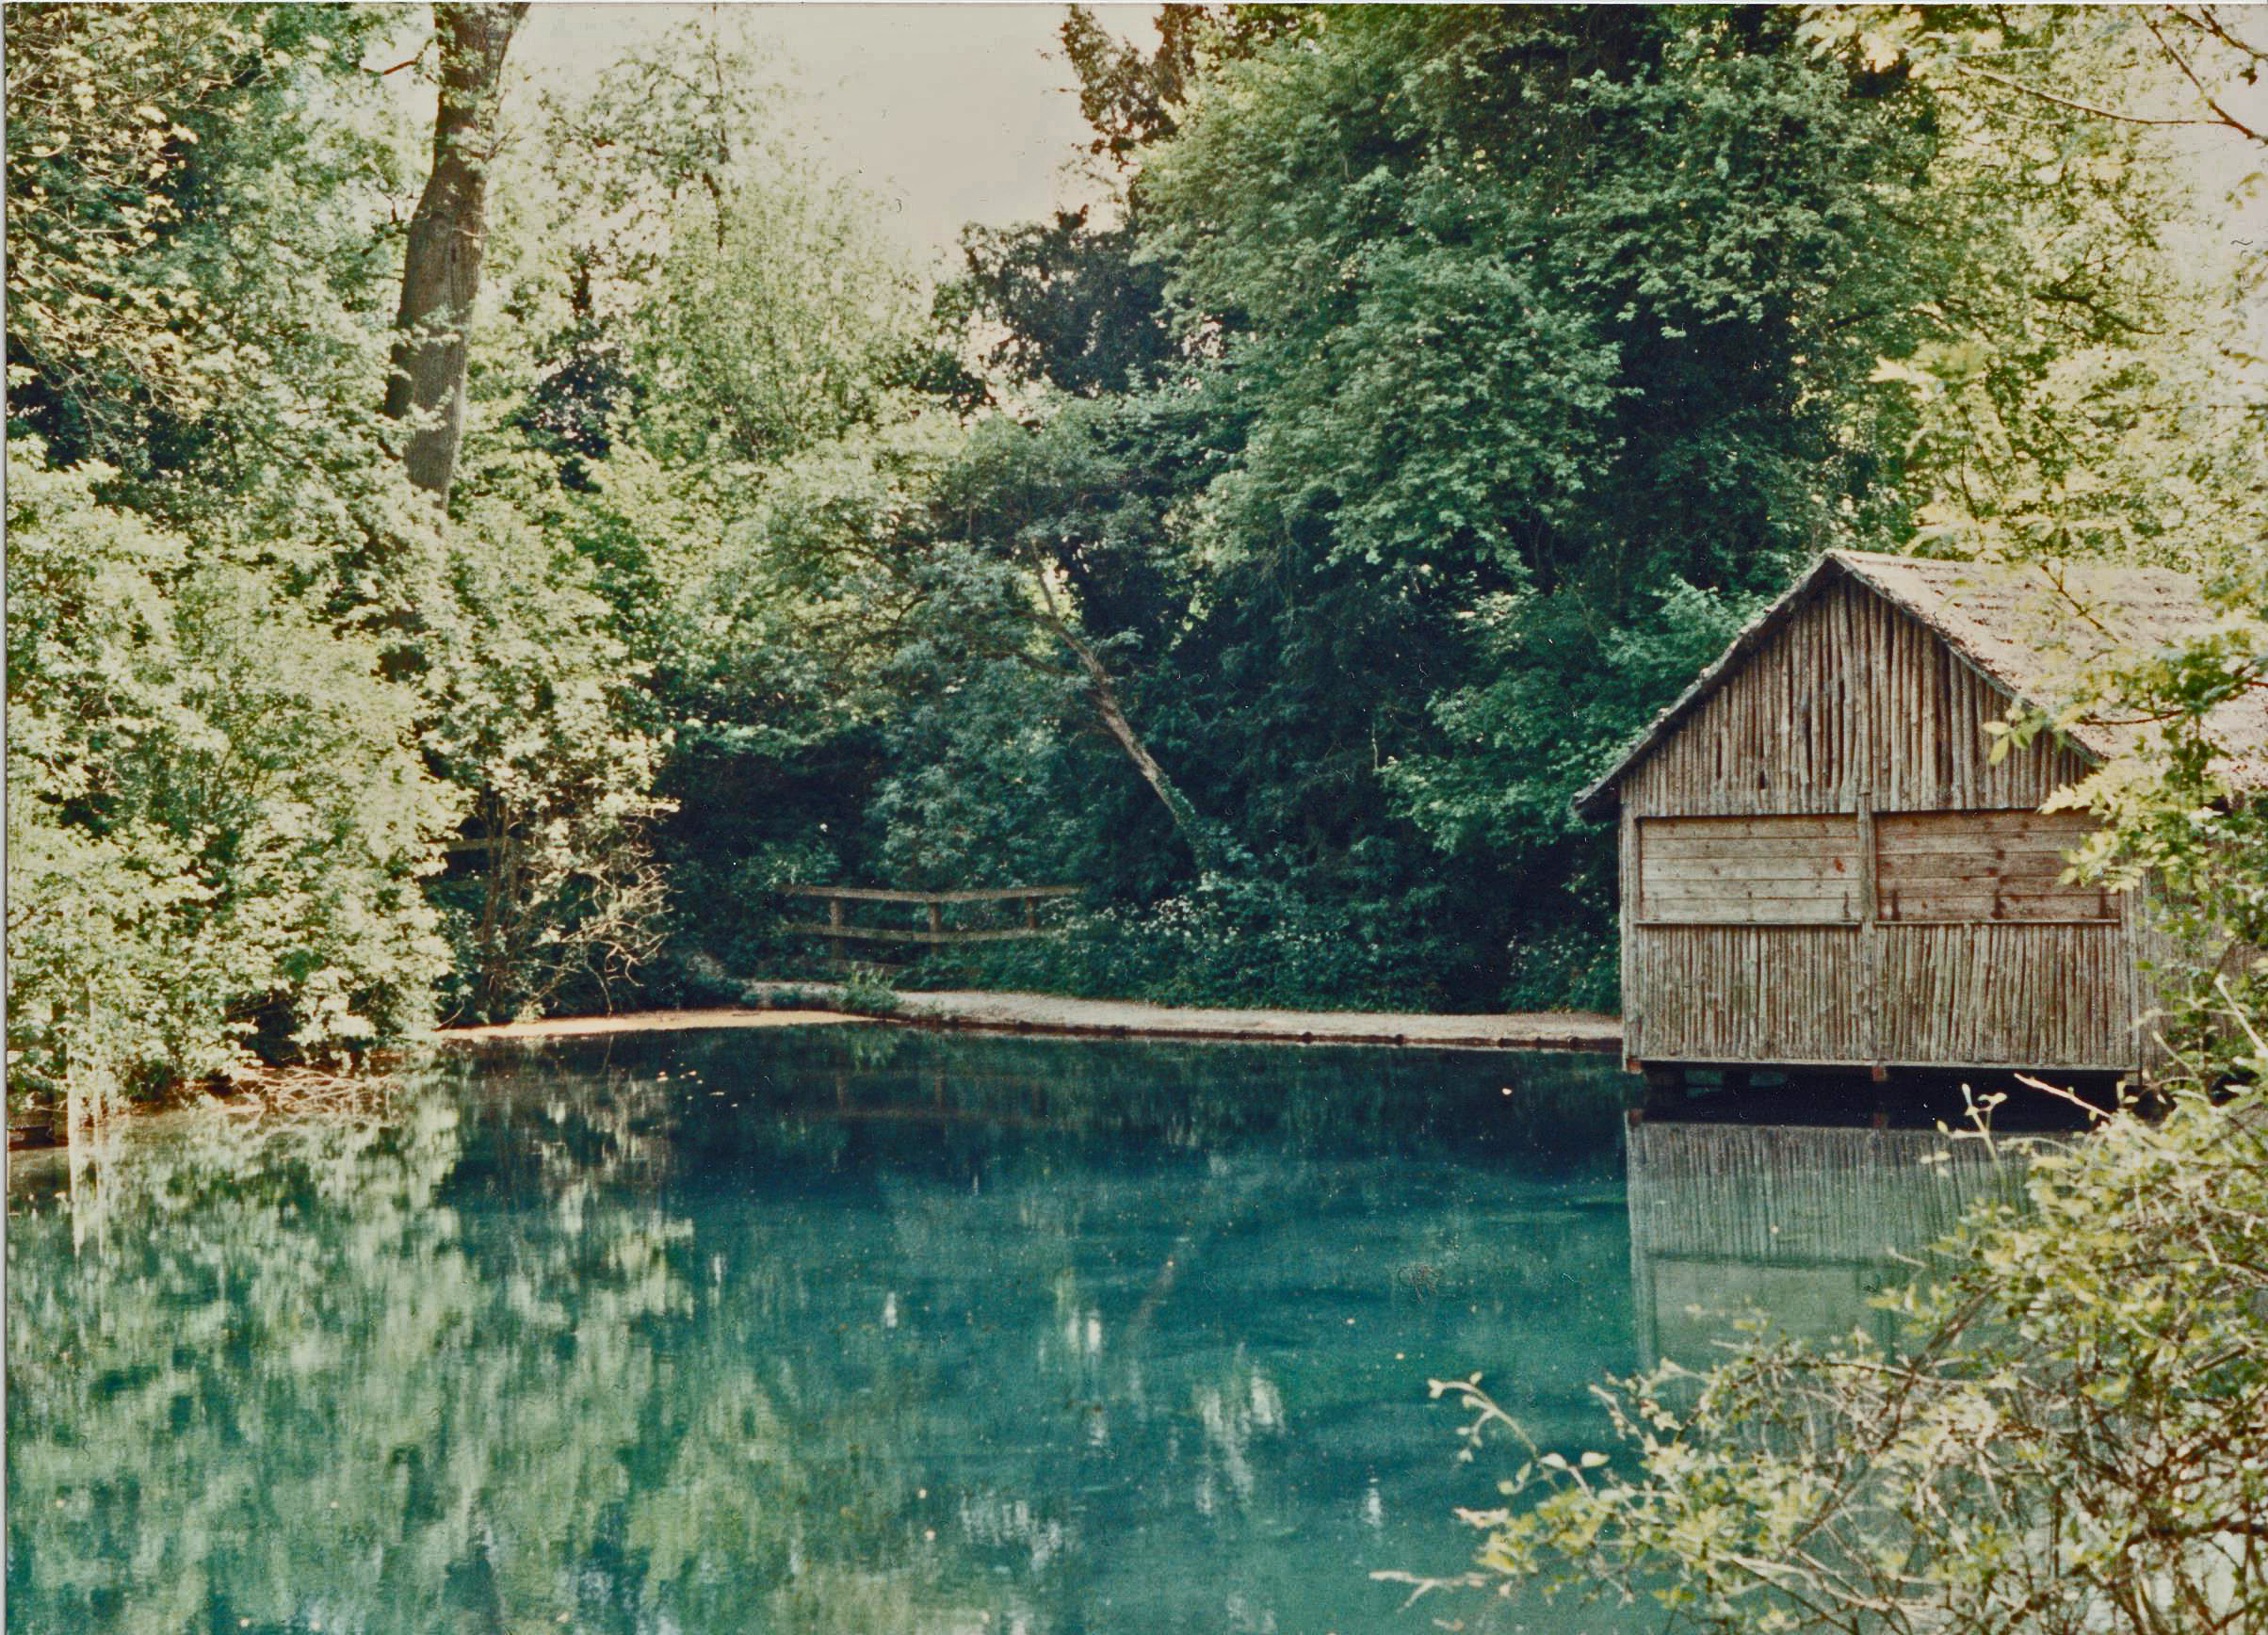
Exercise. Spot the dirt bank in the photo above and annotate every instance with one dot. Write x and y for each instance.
(1110, 1019)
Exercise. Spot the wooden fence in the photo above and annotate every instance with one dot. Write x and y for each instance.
(934, 931)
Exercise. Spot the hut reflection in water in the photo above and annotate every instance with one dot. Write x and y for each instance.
(1806, 1223)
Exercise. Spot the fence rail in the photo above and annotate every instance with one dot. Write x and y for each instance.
(874, 894)
(838, 929)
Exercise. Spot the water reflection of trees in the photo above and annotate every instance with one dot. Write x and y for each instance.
(347, 1374)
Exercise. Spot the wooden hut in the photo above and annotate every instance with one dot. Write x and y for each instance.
(1820, 863)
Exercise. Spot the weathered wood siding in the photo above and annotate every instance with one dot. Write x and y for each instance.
(1777, 994)
(1851, 698)
(1957, 867)
(1750, 871)
(2007, 995)
(1823, 865)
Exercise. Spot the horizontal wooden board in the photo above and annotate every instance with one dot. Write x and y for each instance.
(2046, 851)
(882, 934)
(2044, 868)
(2024, 872)
(1762, 911)
(876, 894)
(1987, 906)
(1842, 867)
(1735, 871)
(1710, 908)
(1983, 868)
(1829, 825)
(1663, 892)
(1968, 831)
(1675, 845)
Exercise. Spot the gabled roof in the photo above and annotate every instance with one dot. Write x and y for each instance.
(2019, 626)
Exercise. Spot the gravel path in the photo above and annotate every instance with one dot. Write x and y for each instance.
(646, 1022)
(1104, 1018)
(1049, 1013)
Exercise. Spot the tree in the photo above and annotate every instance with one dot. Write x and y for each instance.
(218, 817)
(1079, 313)
(543, 714)
(152, 324)
(1082, 308)
(1535, 348)
(717, 279)
(2080, 390)
(447, 236)
(221, 821)
(2072, 1433)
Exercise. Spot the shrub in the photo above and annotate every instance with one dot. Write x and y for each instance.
(2073, 1438)
(218, 816)
(540, 714)
(1229, 940)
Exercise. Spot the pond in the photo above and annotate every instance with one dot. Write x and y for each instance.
(831, 1330)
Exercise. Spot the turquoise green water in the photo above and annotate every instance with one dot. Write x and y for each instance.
(813, 1330)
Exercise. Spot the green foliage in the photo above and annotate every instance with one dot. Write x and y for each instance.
(1237, 939)
(2070, 1439)
(219, 815)
(869, 993)
(1496, 791)
(148, 150)
(2072, 391)
(1448, 489)
(748, 307)
(978, 789)
(1065, 303)
(1445, 490)
(2069, 1434)
(537, 709)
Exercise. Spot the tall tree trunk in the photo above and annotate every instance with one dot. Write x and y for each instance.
(1113, 714)
(441, 271)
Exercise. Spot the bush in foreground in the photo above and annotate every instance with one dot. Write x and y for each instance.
(2075, 1439)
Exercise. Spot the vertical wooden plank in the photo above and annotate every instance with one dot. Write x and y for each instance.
(1870, 933)
(1869, 707)
(2130, 937)
(1634, 997)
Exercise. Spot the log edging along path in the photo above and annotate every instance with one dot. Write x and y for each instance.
(1047, 1013)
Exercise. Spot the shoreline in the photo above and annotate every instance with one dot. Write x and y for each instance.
(1034, 1015)
(730, 1016)
(1051, 1015)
